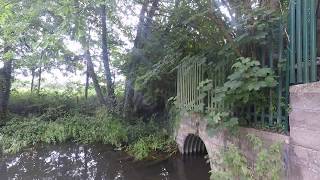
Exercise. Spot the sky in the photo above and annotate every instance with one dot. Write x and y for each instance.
(57, 78)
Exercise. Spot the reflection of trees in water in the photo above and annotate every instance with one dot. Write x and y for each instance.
(181, 169)
(72, 161)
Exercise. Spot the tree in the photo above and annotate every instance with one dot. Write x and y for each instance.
(106, 60)
(5, 86)
(143, 32)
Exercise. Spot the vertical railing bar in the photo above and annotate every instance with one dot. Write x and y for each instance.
(199, 76)
(182, 86)
(255, 117)
(191, 86)
(197, 84)
(215, 87)
(194, 85)
(299, 41)
(201, 79)
(209, 93)
(271, 90)
(223, 81)
(178, 86)
(185, 86)
(219, 82)
(263, 58)
(279, 113)
(313, 39)
(292, 42)
(306, 40)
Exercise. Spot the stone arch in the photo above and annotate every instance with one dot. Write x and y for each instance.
(192, 137)
(193, 144)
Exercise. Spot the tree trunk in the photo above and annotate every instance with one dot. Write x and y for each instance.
(87, 84)
(143, 31)
(94, 77)
(106, 60)
(5, 88)
(32, 80)
(150, 15)
(129, 91)
(39, 80)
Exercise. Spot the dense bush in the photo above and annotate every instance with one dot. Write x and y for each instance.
(142, 148)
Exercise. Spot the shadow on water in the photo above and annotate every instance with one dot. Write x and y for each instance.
(73, 161)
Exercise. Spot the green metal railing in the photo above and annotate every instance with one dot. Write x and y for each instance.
(293, 63)
(302, 43)
(190, 74)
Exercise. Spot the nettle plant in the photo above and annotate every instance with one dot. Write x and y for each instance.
(247, 84)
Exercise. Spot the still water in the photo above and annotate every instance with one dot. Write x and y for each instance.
(101, 162)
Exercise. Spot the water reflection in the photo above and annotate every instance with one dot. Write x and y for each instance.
(72, 161)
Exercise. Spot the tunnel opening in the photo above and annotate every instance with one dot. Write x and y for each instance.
(193, 145)
(195, 155)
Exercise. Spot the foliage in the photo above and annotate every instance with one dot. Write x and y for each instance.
(244, 85)
(235, 163)
(218, 121)
(269, 162)
(22, 132)
(232, 164)
(157, 142)
(103, 127)
(247, 84)
(50, 104)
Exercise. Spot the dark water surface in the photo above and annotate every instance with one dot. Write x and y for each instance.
(73, 161)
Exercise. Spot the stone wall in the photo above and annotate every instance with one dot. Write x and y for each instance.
(301, 150)
(193, 124)
(304, 122)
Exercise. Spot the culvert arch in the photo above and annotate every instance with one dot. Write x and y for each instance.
(193, 144)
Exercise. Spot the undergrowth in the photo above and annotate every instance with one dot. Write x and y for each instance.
(140, 139)
(231, 163)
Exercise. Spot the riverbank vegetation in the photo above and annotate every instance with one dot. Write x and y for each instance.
(95, 71)
(57, 119)
(232, 164)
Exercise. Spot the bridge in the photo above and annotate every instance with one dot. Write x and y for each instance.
(297, 89)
